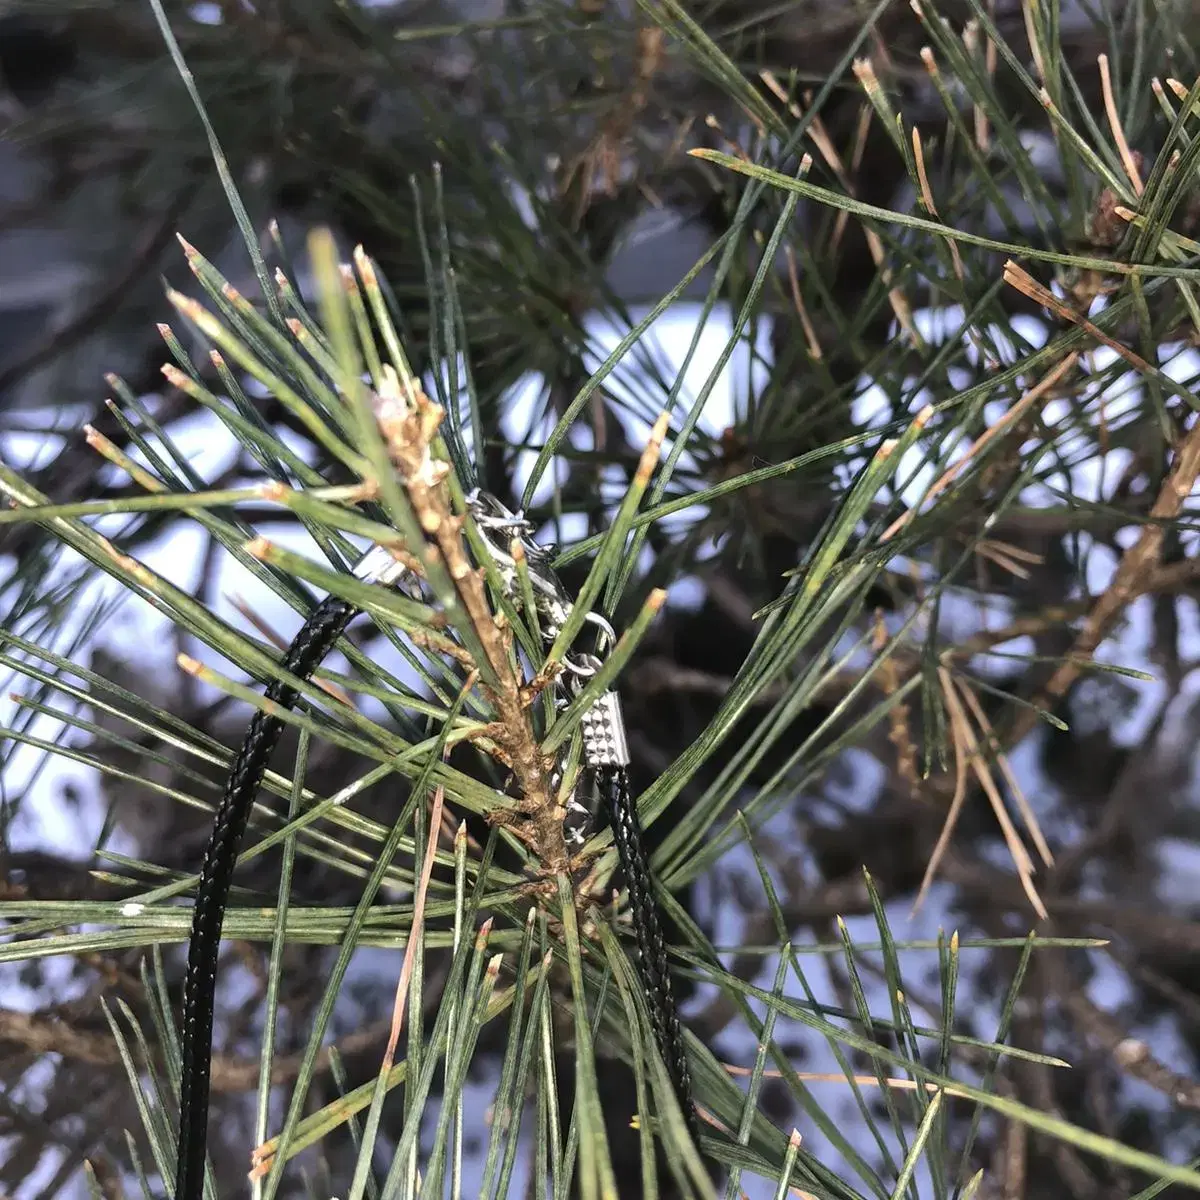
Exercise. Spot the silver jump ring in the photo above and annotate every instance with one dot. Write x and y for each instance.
(585, 666)
(603, 625)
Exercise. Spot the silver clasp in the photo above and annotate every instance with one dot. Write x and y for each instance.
(602, 723)
(499, 526)
(603, 729)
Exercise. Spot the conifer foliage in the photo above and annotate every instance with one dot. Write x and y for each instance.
(904, 639)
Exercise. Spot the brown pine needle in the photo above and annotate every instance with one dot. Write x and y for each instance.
(983, 773)
(1019, 797)
(1017, 277)
(1114, 123)
(956, 802)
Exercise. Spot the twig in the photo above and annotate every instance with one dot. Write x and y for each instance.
(45, 1033)
(1136, 569)
(1129, 1053)
(409, 421)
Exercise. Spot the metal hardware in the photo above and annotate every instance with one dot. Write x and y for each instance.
(379, 565)
(602, 723)
(603, 727)
(605, 754)
(499, 526)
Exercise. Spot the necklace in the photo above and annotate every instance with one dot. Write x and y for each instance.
(604, 754)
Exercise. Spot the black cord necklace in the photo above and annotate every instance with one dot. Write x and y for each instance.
(317, 637)
(304, 655)
(604, 753)
(652, 946)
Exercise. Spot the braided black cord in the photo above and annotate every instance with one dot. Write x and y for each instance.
(647, 927)
(322, 629)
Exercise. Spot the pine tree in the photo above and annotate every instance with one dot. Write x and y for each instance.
(953, 249)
